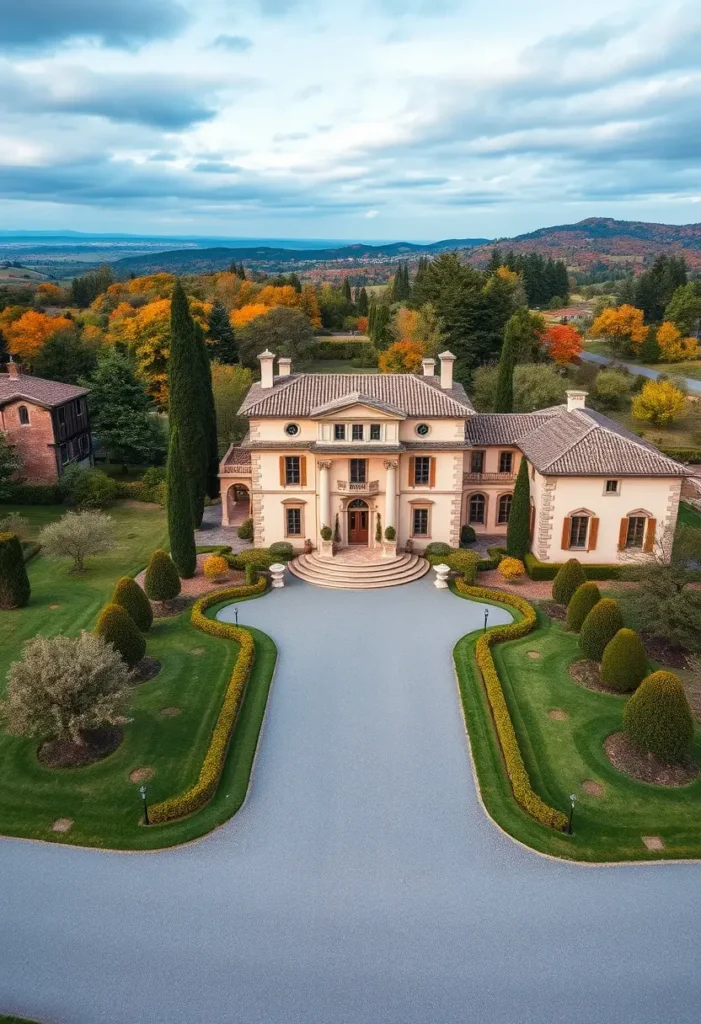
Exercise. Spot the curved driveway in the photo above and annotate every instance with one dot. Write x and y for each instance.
(361, 882)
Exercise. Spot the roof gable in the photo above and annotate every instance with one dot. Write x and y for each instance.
(48, 393)
(363, 403)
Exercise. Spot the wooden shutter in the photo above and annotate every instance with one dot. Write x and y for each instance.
(566, 529)
(531, 523)
(622, 534)
(412, 471)
(593, 533)
(282, 471)
(432, 473)
(303, 470)
(649, 541)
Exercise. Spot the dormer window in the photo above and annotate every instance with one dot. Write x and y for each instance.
(339, 431)
(357, 432)
(375, 432)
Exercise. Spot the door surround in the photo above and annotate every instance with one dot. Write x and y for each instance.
(358, 523)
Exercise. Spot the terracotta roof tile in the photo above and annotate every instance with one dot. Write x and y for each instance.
(49, 393)
(504, 427)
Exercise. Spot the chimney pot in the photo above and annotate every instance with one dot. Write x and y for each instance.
(447, 359)
(429, 367)
(576, 400)
(13, 369)
(284, 366)
(266, 360)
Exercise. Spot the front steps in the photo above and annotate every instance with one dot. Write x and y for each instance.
(333, 572)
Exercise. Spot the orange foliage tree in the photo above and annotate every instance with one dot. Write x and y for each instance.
(404, 324)
(48, 294)
(27, 335)
(673, 346)
(401, 357)
(243, 316)
(624, 328)
(563, 342)
(309, 305)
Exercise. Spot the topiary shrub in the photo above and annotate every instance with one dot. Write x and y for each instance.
(511, 569)
(14, 582)
(162, 582)
(118, 628)
(215, 567)
(251, 575)
(601, 625)
(390, 533)
(281, 551)
(467, 536)
(570, 576)
(133, 600)
(378, 529)
(245, 530)
(326, 533)
(581, 603)
(657, 718)
(438, 548)
(624, 662)
(465, 563)
(260, 557)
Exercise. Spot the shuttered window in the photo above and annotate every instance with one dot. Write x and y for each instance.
(636, 531)
(422, 470)
(292, 470)
(578, 531)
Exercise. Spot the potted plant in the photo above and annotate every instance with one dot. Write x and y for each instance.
(308, 546)
(326, 542)
(389, 545)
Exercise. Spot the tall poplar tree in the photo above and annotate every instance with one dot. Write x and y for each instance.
(181, 530)
(186, 400)
(505, 375)
(209, 414)
(362, 301)
(518, 530)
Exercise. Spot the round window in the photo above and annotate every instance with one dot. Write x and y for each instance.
(292, 429)
(422, 429)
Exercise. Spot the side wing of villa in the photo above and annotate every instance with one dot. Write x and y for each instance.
(409, 450)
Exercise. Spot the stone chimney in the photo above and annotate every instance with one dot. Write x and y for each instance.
(576, 400)
(266, 368)
(429, 367)
(284, 366)
(13, 369)
(447, 359)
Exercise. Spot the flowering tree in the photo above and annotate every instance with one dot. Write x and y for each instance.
(623, 328)
(402, 357)
(563, 342)
(660, 402)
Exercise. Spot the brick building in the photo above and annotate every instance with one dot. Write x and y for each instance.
(46, 423)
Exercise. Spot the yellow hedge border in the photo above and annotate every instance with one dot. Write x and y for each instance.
(213, 764)
(515, 768)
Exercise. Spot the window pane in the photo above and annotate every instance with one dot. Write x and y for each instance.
(505, 461)
(374, 431)
(476, 513)
(422, 470)
(578, 531)
(292, 469)
(339, 431)
(504, 508)
(23, 415)
(477, 462)
(611, 486)
(294, 521)
(357, 471)
(357, 431)
(636, 532)
(421, 522)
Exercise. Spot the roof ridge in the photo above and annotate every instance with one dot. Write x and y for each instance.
(575, 441)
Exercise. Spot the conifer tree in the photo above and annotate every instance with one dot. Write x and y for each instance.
(519, 526)
(181, 530)
(347, 293)
(187, 400)
(209, 415)
(505, 374)
(222, 333)
(650, 351)
(14, 582)
(361, 300)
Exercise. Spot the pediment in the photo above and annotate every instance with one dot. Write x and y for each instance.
(357, 406)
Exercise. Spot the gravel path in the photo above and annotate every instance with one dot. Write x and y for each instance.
(361, 883)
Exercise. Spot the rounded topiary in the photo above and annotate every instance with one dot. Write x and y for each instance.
(624, 662)
(569, 577)
(326, 533)
(133, 600)
(438, 547)
(581, 603)
(465, 563)
(245, 530)
(215, 567)
(657, 718)
(511, 568)
(467, 535)
(162, 582)
(601, 625)
(390, 533)
(281, 551)
(14, 582)
(116, 627)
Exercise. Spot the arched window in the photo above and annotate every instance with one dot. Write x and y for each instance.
(504, 510)
(23, 415)
(476, 508)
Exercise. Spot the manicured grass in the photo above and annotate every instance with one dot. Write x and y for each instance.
(691, 368)
(689, 516)
(336, 366)
(102, 801)
(561, 755)
(15, 1020)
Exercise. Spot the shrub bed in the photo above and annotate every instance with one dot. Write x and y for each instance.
(688, 455)
(205, 787)
(261, 558)
(549, 570)
(513, 759)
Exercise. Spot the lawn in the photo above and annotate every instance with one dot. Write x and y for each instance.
(102, 801)
(336, 366)
(560, 755)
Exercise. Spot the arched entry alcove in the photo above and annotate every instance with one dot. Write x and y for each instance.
(358, 522)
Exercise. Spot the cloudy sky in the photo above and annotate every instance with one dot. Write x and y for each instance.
(414, 119)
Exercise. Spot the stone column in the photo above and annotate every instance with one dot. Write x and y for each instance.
(324, 495)
(391, 493)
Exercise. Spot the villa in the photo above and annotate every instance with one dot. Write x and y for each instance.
(347, 451)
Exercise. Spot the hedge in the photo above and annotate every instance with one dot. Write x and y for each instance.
(513, 759)
(206, 786)
(549, 570)
(260, 557)
(33, 494)
(689, 455)
(352, 349)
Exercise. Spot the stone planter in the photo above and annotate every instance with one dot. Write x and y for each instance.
(389, 548)
(277, 573)
(442, 574)
(326, 548)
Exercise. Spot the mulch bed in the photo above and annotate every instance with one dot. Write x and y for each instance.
(630, 761)
(554, 611)
(658, 649)
(99, 743)
(147, 668)
(168, 609)
(586, 673)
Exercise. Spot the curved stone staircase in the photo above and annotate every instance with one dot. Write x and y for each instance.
(347, 575)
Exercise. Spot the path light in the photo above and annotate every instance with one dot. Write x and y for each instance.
(571, 814)
(236, 613)
(486, 616)
(142, 790)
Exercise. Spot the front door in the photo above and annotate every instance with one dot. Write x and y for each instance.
(358, 526)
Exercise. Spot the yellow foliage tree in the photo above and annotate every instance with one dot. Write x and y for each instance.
(404, 324)
(278, 295)
(160, 285)
(401, 357)
(27, 335)
(624, 327)
(51, 295)
(93, 335)
(309, 305)
(227, 287)
(674, 347)
(243, 316)
(659, 402)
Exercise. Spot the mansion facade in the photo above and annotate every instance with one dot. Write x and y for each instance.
(408, 451)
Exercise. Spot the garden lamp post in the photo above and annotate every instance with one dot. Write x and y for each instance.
(236, 614)
(571, 814)
(486, 616)
(142, 790)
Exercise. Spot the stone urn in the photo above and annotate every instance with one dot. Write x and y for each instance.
(277, 573)
(389, 548)
(442, 572)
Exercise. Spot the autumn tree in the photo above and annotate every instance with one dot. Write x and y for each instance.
(27, 335)
(282, 330)
(674, 348)
(401, 357)
(660, 402)
(563, 343)
(243, 316)
(403, 324)
(623, 328)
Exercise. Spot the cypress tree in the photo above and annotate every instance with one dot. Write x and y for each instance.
(505, 374)
(133, 600)
(187, 401)
(181, 529)
(519, 526)
(14, 582)
(347, 293)
(650, 351)
(362, 302)
(209, 414)
(117, 627)
(222, 333)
